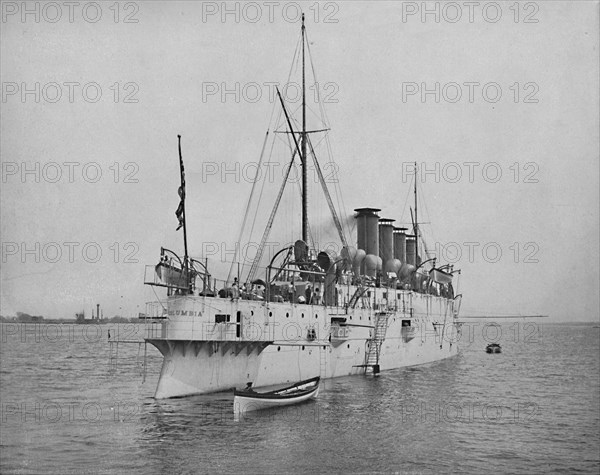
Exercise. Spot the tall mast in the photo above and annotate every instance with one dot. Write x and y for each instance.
(303, 137)
(416, 224)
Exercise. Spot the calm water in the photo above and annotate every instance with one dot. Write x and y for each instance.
(533, 408)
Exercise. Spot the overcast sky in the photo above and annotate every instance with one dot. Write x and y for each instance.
(517, 94)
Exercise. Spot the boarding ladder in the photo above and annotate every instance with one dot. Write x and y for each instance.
(323, 349)
(373, 350)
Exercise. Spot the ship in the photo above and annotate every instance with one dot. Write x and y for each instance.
(380, 303)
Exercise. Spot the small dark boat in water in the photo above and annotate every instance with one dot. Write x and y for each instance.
(493, 348)
(248, 400)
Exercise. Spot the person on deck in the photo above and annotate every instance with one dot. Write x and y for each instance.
(316, 299)
(308, 294)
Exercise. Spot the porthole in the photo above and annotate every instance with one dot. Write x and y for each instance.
(251, 312)
(316, 316)
(302, 347)
(348, 345)
(279, 348)
(287, 315)
(270, 314)
(302, 315)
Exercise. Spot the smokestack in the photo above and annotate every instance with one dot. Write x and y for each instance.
(411, 250)
(97, 311)
(368, 231)
(400, 244)
(386, 240)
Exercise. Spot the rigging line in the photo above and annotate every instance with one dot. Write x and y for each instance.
(325, 120)
(273, 126)
(321, 139)
(242, 264)
(312, 66)
(310, 233)
(288, 137)
(246, 213)
(158, 298)
(261, 194)
(338, 191)
(409, 189)
(274, 108)
(294, 59)
(424, 203)
(327, 196)
(315, 84)
(267, 231)
(296, 174)
(284, 124)
(317, 237)
(293, 149)
(336, 187)
(420, 237)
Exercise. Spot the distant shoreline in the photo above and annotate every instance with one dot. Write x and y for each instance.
(57, 321)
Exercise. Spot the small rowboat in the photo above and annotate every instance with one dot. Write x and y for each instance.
(246, 400)
(493, 348)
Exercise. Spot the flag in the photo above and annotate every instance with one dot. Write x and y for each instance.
(181, 191)
(179, 212)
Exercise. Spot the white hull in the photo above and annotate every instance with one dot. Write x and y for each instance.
(201, 356)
